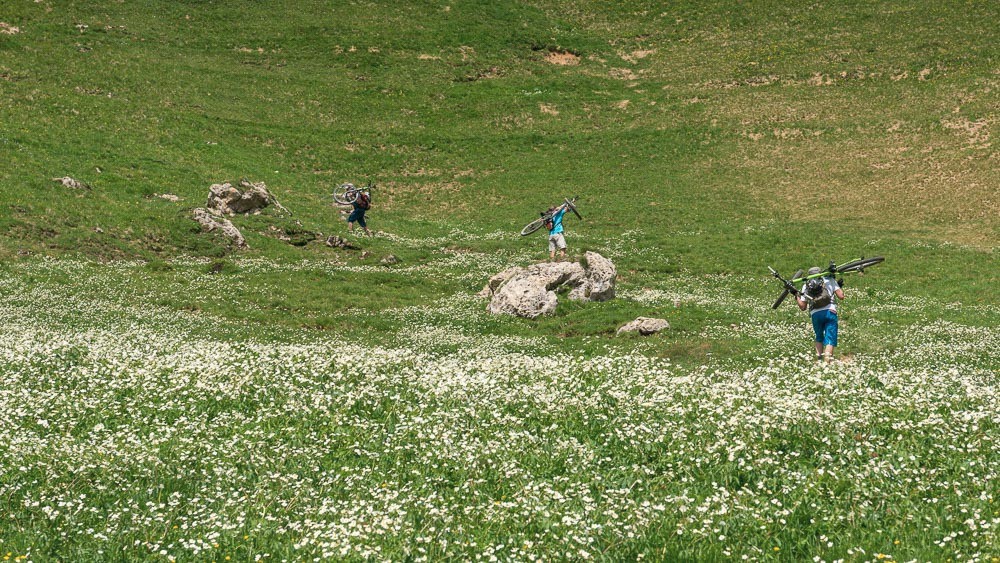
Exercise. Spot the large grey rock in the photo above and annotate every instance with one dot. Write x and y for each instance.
(599, 284)
(531, 291)
(524, 297)
(497, 280)
(226, 199)
(210, 222)
(644, 326)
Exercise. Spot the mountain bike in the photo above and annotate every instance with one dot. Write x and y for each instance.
(348, 193)
(853, 266)
(546, 215)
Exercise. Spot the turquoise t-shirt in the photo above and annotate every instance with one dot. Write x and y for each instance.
(557, 222)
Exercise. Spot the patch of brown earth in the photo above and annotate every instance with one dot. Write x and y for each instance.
(564, 58)
(977, 132)
(623, 74)
(546, 108)
(636, 55)
(7, 29)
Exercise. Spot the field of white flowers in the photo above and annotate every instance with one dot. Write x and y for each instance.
(132, 431)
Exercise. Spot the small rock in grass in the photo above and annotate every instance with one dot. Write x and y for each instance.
(645, 326)
(71, 183)
(333, 241)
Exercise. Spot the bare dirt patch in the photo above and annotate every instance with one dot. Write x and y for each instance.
(549, 109)
(7, 29)
(637, 55)
(563, 58)
(977, 133)
(623, 74)
(819, 79)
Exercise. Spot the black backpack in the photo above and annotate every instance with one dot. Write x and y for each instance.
(364, 201)
(817, 289)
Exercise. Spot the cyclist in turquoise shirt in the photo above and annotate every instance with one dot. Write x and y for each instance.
(556, 239)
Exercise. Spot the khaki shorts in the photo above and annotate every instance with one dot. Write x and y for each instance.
(557, 241)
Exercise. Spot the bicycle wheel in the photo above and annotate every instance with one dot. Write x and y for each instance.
(346, 198)
(572, 208)
(784, 293)
(860, 264)
(533, 226)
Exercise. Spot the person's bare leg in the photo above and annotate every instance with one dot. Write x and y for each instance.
(819, 350)
(828, 353)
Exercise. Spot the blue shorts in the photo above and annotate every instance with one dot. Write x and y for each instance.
(359, 216)
(825, 327)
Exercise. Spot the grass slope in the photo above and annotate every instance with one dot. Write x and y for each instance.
(706, 141)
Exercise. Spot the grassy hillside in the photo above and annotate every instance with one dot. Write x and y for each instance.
(303, 401)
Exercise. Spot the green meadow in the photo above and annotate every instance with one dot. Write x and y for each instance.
(165, 395)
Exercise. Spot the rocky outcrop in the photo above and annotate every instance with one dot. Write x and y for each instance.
(226, 199)
(601, 276)
(496, 281)
(532, 291)
(210, 222)
(644, 326)
(248, 197)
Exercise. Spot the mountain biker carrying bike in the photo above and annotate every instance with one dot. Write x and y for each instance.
(820, 296)
(555, 227)
(360, 205)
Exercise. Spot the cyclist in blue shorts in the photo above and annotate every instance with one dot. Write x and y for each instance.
(820, 296)
(359, 207)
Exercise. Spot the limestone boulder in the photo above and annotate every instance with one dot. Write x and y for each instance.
(533, 290)
(599, 283)
(246, 197)
(497, 280)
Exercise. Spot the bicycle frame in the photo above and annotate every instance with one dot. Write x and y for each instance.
(833, 270)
